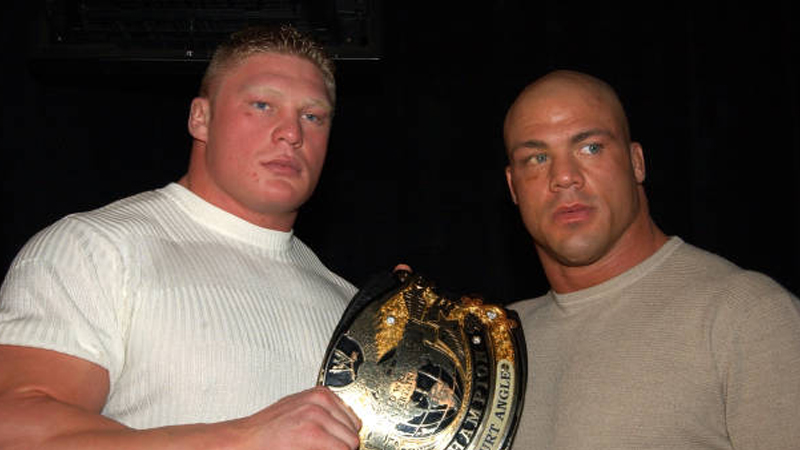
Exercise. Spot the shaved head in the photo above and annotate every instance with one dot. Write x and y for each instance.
(566, 84)
(577, 179)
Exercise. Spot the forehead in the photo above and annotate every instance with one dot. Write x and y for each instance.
(276, 71)
(562, 108)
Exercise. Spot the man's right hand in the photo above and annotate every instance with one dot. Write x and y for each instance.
(313, 419)
(51, 400)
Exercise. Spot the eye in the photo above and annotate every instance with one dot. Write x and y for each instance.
(537, 158)
(261, 105)
(311, 117)
(591, 149)
(314, 118)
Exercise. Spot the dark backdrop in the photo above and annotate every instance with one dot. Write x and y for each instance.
(415, 166)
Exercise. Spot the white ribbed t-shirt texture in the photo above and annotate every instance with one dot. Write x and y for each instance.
(198, 315)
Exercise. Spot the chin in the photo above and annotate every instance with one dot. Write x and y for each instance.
(577, 253)
(282, 192)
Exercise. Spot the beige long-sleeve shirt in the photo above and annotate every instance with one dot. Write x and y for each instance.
(684, 351)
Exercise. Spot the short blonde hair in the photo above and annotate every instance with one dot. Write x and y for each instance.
(283, 39)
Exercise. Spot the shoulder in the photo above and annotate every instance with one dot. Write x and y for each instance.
(102, 229)
(529, 307)
(707, 271)
(139, 211)
(698, 265)
(736, 294)
(309, 259)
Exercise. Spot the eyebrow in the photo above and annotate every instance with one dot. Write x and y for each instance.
(531, 143)
(259, 88)
(312, 101)
(583, 135)
(324, 104)
(580, 137)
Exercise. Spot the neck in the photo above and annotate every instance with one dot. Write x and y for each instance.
(638, 243)
(277, 222)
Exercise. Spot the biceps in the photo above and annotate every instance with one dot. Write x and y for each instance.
(30, 372)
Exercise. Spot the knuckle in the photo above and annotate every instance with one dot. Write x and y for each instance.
(353, 442)
(312, 411)
(321, 394)
(313, 431)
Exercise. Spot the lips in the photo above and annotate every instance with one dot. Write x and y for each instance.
(572, 213)
(283, 166)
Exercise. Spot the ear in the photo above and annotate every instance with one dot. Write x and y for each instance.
(511, 185)
(637, 161)
(199, 117)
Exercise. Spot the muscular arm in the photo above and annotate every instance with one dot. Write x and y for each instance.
(762, 374)
(53, 401)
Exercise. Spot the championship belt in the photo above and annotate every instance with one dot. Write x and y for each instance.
(427, 372)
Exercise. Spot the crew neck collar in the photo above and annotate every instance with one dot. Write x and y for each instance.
(226, 223)
(621, 281)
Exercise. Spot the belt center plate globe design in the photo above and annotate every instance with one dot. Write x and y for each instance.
(427, 372)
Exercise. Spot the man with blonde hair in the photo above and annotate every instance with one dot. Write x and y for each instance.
(190, 316)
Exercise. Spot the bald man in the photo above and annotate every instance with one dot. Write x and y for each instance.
(644, 341)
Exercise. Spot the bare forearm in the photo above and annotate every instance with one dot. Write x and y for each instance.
(40, 422)
(315, 419)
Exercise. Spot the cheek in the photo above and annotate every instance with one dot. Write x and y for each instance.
(532, 206)
(316, 150)
(237, 125)
(253, 175)
(530, 188)
(228, 158)
(619, 195)
(236, 139)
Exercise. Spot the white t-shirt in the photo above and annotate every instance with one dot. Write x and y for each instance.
(198, 315)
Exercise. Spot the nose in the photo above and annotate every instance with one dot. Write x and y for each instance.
(565, 173)
(288, 130)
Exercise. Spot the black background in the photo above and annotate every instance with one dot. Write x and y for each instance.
(415, 165)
